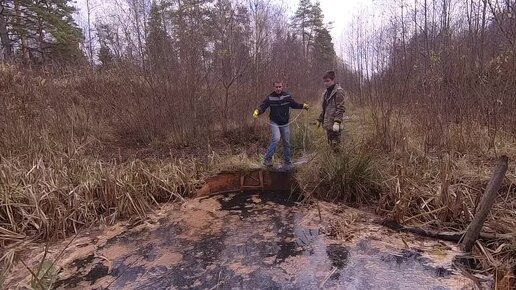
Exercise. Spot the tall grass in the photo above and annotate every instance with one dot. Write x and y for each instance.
(77, 149)
(303, 137)
(425, 183)
(388, 161)
(52, 197)
(84, 147)
(349, 176)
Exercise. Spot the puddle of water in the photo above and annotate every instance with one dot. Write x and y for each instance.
(338, 255)
(256, 240)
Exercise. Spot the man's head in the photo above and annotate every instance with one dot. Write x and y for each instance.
(329, 78)
(278, 86)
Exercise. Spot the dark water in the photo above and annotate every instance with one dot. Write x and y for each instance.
(252, 241)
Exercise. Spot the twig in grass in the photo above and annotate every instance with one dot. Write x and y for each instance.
(60, 254)
(319, 211)
(33, 274)
(425, 213)
(328, 277)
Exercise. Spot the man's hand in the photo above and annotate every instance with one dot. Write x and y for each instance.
(306, 107)
(336, 127)
(256, 113)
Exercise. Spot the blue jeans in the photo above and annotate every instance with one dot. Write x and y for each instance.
(279, 132)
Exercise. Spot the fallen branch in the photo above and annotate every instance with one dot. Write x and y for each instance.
(446, 236)
(488, 199)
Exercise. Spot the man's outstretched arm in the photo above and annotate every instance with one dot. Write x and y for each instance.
(296, 105)
(264, 105)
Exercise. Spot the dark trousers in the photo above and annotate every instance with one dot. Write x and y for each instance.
(334, 139)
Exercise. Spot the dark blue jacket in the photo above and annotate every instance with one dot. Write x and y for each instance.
(280, 107)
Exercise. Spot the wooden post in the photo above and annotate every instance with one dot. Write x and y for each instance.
(486, 203)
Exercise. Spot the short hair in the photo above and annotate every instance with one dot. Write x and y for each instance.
(329, 75)
(277, 82)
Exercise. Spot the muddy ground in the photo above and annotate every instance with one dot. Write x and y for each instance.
(252, 240)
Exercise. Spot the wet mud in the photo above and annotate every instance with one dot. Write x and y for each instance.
(253, 240)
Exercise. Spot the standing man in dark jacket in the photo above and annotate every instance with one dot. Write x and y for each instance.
(280, 103)
(332, 110)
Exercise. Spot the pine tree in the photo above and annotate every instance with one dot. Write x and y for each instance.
(317, 43)
(108, 50)
(58, 32)
(323, 49)
(302, 23)
(192, 33)
(323, 52)
(105, 56)
(160, 51)
(41, 31)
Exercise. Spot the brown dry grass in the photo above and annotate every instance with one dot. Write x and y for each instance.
(421, 185)
(53, 197)
(440, 186)
(80, 150)
(90, 148)
(55, 175)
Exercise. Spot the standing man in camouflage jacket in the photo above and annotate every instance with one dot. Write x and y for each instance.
(332, 110)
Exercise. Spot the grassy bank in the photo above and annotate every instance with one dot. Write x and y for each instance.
(399, 175)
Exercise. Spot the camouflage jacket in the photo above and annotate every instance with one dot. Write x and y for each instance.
(332, 107)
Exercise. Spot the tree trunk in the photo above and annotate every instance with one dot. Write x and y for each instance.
(486, 203)
(90, 39)
(4, 37)
(21, 35)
